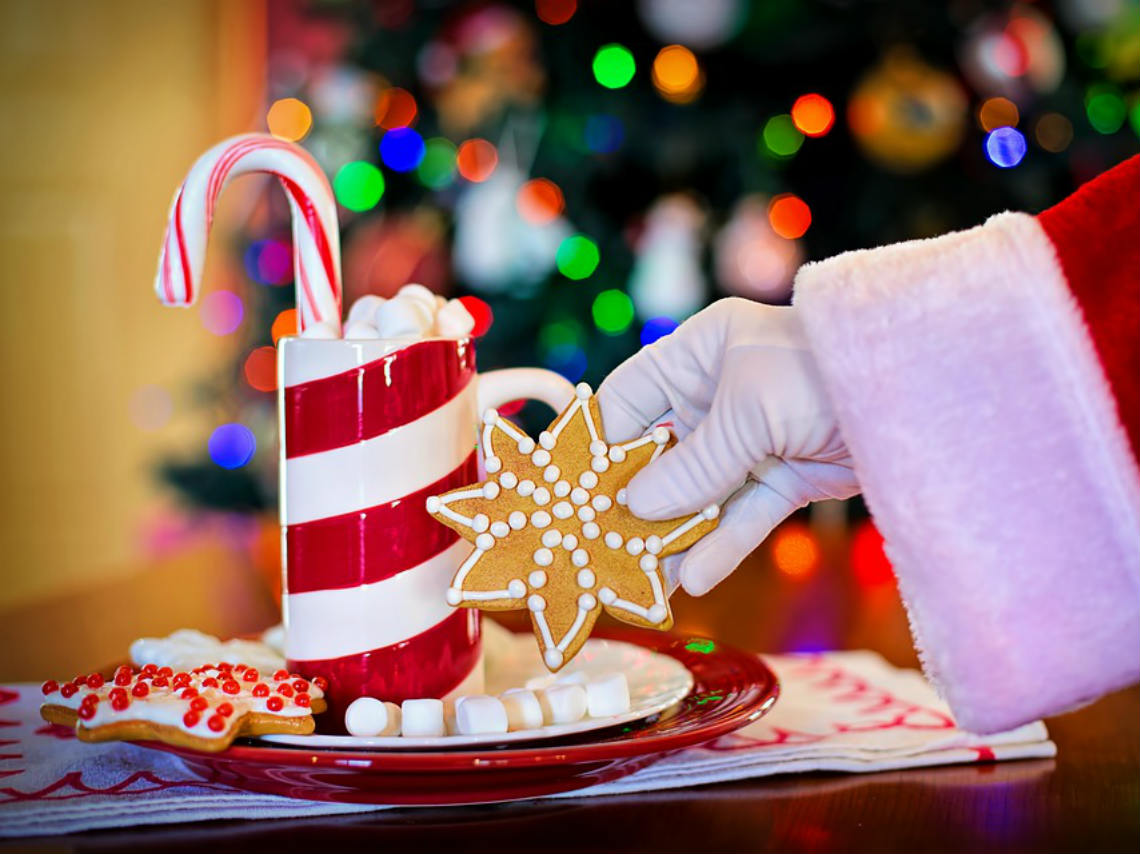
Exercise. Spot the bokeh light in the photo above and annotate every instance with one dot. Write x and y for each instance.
(1053, 132)
(1005, 147)
(869, 563)
(260, 369)
(781, 137)
(614, 66)
(1105, 108)
(559, 333)
(289, 119)
(150, 407)
(358, 185)
(676, 73)
(795, 551)
(813, 115)
(395, 108)
(402, 149)
(569, 360)
(437, 169)
(476, 160)
(577, 257)
(284, 324)
(1134, 116)
(656, 327)
(222, 312)
(612, 311)
(540, 201)
(603, 134)
(998, 112)
(789, 216)
(555, 12)
(231, 446)
(269, 262)
(480, 312)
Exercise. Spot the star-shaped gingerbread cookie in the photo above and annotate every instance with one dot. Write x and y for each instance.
(552, 532)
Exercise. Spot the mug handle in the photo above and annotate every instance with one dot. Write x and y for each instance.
(502, 386)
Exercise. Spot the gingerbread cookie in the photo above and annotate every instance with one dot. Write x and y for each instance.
(552, 532)
(204, 709)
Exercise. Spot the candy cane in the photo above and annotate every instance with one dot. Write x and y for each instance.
(316, 238)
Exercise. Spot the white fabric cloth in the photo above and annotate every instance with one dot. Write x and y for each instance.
(840, 711)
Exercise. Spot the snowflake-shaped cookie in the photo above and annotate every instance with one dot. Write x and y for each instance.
(552, 532)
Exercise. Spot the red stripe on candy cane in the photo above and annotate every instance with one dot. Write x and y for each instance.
(183, 258)
(373, 544)
(430, 664)
(349, 407)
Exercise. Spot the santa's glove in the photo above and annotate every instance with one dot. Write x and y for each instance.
(746, 401)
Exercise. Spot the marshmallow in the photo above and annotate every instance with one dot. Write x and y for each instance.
(607, 696)
(563, 704)
(364, 309)
(403, 318)
(577, 677)
(453, 320)
(422, 718)
(480, 714)
(368, 717)
(359, 330)
(321, 330)
(420, 294)
(524, 711)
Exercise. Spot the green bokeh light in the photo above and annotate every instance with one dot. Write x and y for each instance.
(577, 257)
(437, 169)
(558, 335)
(613, 311)
(702, 645)
(780, 136)
(358, 185)
(1134, 117)
(1105, 109)
(614, 66)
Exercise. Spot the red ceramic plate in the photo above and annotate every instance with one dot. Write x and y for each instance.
(731, 688)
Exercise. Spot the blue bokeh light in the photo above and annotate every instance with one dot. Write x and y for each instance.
(1005, 147)
(402, 149)
(656, 327)
(232, 445)
(604, 134)
(568, 360)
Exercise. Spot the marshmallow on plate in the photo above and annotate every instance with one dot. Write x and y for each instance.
(524, 711)
(607, 696)
(368, 717)
(478, 714)
(422, 718)
(563, 704)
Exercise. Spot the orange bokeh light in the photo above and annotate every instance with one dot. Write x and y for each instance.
(476, 160)
(813, 115)
(395, 108)
(998, 113)
(284, 324)
(676, 73)
(794, 551)
(261, 369)
(789, 216)
(289, 119)
(540, 201)
(555, 12)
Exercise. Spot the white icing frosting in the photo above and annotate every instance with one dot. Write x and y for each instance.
(186, 649)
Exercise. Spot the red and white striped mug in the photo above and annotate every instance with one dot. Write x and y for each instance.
(369, 429)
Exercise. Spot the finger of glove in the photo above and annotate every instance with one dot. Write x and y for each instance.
(666, 375)
(746, 521)
(702, 469)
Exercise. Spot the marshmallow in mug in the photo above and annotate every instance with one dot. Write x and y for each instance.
(414, 313)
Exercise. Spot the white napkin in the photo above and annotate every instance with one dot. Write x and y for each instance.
(839, 711)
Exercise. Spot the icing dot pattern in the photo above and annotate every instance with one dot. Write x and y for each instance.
(561, 502)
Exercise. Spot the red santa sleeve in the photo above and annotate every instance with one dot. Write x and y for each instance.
(988, 385)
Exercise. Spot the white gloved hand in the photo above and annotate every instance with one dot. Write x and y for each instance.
(747, 402)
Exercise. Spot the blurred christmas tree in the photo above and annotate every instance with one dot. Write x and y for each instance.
(596, 172)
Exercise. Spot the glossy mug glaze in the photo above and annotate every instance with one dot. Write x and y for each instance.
(369, 429)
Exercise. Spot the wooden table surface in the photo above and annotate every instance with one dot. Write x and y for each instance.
(1087, 799)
